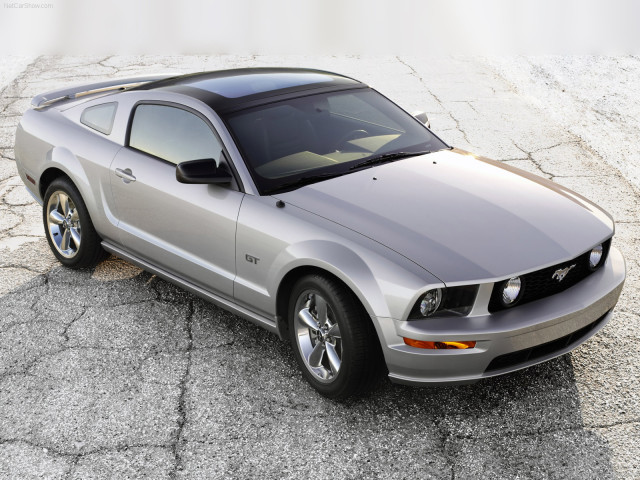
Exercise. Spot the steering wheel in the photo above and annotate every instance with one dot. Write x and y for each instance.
(352, 135)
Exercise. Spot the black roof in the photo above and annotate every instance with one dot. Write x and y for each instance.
(228, 90)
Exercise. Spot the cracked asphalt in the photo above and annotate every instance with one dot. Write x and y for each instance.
(114, 373)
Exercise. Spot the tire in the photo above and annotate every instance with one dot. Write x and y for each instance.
(68, 227)
(336, 346)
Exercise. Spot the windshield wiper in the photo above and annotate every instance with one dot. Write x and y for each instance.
(304, 181)
(387, 157)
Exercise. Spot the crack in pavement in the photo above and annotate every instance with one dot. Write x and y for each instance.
(428, 88)
(538, 163)
(64, 333)
(182, 407)
(17, 80)
(52, 449)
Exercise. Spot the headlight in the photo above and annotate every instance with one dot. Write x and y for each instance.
(430, 302)
(445, 302)
(511, 291)
(595, 257)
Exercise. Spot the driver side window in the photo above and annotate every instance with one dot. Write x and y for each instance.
(172, 134)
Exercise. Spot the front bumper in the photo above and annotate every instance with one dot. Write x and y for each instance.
(507, 340)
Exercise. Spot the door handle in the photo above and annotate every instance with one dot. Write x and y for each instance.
(126, 175)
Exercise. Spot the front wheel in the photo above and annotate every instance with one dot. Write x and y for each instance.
(333, 339)
(68, 227)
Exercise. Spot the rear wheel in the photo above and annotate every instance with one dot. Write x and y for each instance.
(68, 227)
(333, 339)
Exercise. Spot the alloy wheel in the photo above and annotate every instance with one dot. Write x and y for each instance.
(63, 224)
(318, 336)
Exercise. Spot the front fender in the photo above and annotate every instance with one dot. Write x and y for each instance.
(273, 242)
(336, 259)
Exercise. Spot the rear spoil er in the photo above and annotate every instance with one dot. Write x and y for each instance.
(506, 341)
(49, 98)
(262, 321)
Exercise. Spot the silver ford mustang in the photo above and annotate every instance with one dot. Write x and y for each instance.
(310, 204)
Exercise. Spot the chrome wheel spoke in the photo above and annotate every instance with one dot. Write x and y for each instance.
(318, 336)
(64, 243)
(75, 235)
(62, 222)
(63, 202)
(334, 359)
(307, 319)
(321, 310)
(334, 331)
(315, 358)
(56, 218)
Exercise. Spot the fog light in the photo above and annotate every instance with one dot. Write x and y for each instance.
(430, 302)
(595, 257)
(511, 290)
(439, 345)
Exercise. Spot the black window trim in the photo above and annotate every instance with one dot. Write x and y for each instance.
(95, 127)
(225, 152)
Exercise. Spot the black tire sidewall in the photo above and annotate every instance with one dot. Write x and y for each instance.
(348, 316)
(90, 249)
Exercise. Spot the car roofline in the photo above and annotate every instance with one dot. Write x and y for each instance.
(226, 108)
(237, 72)
(186, 85)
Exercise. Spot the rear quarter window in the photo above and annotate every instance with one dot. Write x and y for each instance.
(100, 117)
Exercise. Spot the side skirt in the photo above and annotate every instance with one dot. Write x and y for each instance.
(261, 321)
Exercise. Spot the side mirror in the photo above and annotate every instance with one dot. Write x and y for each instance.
(202, 171)
(422, 116)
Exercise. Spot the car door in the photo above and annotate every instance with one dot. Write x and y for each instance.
(186, 229)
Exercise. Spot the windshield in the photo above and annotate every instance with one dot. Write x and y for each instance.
(324, 135)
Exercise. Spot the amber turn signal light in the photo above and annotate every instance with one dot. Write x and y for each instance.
(438, 345)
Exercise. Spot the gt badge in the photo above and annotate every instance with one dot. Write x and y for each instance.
(251, 259)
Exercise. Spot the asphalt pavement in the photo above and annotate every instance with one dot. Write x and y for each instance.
(114, 373)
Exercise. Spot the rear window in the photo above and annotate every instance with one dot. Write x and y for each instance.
(100, 117)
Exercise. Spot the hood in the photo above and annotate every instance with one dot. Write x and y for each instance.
(460, 217)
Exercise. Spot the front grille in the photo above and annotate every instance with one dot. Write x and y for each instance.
(533, 353)
(540, 284)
